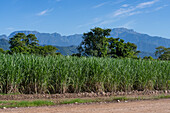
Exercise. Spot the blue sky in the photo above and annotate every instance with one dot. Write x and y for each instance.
(78, 16)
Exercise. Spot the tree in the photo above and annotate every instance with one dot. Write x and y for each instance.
(94, 43)
(17, 41)
(148, 58)
(19, 49)
(44, 50)
(2, 51)
(31, 41)
(117, 48)
(20, 43)
(162, 53)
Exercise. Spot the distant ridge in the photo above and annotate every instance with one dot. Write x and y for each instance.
(53, 38)
(4, 44)
(144, 42)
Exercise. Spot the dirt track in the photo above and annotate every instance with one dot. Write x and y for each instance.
(150, 106)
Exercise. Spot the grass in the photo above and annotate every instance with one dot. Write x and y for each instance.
(13, 104)
(78, 100)
(30, 74)
(108, 99)
(112, 99)
(10, 93)
(162, 97)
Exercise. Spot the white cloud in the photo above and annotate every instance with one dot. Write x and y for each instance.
(110, 3)
(158, 8)
(124, 11)
(132, 10)
(125, 5)
(127, 10)
(134, 13)
(115, 2)
(146, 4)
(44, 12)
(100, 5)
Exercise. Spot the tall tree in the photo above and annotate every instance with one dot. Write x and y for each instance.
(97, 43)
(94, 43)
(20, 43)
(17, 40)
(44, 50)
(163, 53)
(118, 48)
(31, 40)
(1, 50)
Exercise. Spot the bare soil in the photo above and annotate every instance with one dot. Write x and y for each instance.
(149, 106)
(82, 95)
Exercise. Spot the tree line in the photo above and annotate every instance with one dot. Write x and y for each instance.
(20, 43)
(97, 43)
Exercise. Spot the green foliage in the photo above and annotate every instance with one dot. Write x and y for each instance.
(61, 74)
(12, 104)
(31, 41)
(44, 50)
(2, 51)
(76, 54)
(28, 103)
(163, 53)
(97, 44)
(148, 58)
(21, 43)
(117, 48)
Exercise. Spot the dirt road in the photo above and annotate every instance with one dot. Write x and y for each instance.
(150, 106)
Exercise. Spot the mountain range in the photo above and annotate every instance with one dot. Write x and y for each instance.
(67, 44)
(4, 43)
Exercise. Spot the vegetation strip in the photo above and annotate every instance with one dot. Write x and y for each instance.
(112, 99)
(103, 64)
(14, 104)
(28, 74)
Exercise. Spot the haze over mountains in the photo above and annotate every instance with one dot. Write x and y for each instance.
(144, 42)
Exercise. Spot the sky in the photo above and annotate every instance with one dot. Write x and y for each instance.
(69, 17)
